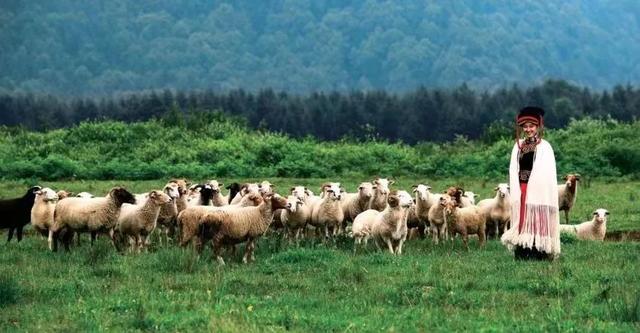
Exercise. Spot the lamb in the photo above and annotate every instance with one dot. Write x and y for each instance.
(381, 191)
(230, 227)
(138, 221)
(16, 213)
(567, 193)
(419, 213)
(456, 193)
(497, 211)
(590, 230)
(437, 219)
(465, 221)
(95, 215)
(189, 219)
(42, 211)
(294, 217)
(327, 213)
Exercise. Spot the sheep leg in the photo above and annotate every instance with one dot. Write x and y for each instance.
(434, 233)
(566, 216)
(217, 248)
(20, 233)
(248, 251)
(66, 239)
(10, 234)
(399, 249)
(50, 239)
(481, 238)
(465, 239)
(94, 235)
(389, 245)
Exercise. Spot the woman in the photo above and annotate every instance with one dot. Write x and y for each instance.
(534, 232)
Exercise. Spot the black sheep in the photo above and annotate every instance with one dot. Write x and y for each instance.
(233, 188)
(16, 213)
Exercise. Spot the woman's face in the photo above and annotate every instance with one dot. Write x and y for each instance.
(530, 129)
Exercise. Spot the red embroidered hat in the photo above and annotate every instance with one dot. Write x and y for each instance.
(530, 114)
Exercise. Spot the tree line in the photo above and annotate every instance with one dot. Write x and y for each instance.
(417, 116)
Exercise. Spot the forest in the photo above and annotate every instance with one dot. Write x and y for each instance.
(96, 48)
(421, 115)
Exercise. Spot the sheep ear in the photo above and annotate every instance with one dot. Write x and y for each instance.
(391, 182)
(292, 188)
(606, 212)
(578, 176)
(495, 189)
(414, 186)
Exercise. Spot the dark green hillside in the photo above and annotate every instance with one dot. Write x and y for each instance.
(96, 48)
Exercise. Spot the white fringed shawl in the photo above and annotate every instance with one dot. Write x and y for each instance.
(541, 222)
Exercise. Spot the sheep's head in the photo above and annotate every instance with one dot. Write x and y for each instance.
(31, 192)
(445, 199)
(333, 191)
(399, 198)
(365, 190)
(249, 188)
(266, 187)
(571, 179)
(85, 195)
(121, 195)
(64, 194)
(600, 215)
(276, 201)
(381, 185)
(422, 191)
(159, 197)
(471, 196)
(449, 204)
(215, 186)
(46, 194)
(455, 192)
(255, 199)
(172, 189)
(300, 192)
(206, 192)
(294, 203)
(502, 190)
(183, 185)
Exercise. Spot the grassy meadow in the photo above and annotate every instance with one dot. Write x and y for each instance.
(324, 287)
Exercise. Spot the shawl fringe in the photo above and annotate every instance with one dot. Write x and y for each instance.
(539, 229)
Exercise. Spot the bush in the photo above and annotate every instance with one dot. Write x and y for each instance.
(222, 148)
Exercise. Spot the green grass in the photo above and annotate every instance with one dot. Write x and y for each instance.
(315, 287)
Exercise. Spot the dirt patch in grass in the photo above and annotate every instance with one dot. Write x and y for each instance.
(621, 236)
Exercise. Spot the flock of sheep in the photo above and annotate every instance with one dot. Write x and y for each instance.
(202, 214)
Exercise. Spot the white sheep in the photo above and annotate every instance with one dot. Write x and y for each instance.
(595, 229)
(356, 203)
(95, 215)
(468, 199)
(437, 220)
(419, 213)
(137, 222)
(85, 195)
(42, 212)
(567, 194)
(294, 217)
(327, 213)
(233, 226)
(497, 210)
(390, 229)
(380, 193)
(465, 221)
